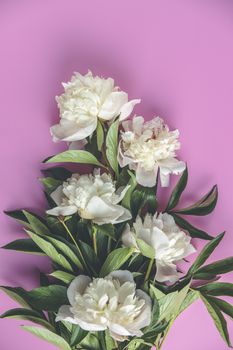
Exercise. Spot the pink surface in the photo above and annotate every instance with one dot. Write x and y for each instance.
(176, 55)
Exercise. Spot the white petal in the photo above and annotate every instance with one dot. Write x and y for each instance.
(92, 327)
(120, 193)
(76, 145)
(103, 212)
(166, 272)
(144, 319)
(64, 314)
(57, 195)
(122, 159)
(112, 105)
(122, 276)
(164, 178)
(62, 210)
(118, 337)
(170, 166)
(78, 285)
(137, 123)
(128, 238)
(159, 239)
(73, 131)
(124, 217)
(146, 178)
(119, 329)
(127, 108)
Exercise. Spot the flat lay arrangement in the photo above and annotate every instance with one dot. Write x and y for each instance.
(120, 261)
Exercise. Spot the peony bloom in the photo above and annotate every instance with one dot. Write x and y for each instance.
(87, 98)
(94, 197)
(170, 244)
(111, 303)
(147, 147)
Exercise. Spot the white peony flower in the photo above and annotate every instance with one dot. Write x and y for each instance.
(147, 147)
(87, 98)
(94, 197)
(111, 303)
(170, 244)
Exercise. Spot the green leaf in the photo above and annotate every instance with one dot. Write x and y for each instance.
(49, 336)
(89, 257)
(17, 295)
(223, 305)
(107, 230)
(74, 156)
(203, 276)
(28, 315)
(205, 253)
(166, 305)
(112, 146)
(190, 298)
(36, 224)
(19, 216)
(193, 231)
(90, 342)
(126, 201)
(176, 193)
(24, 246)
(218, 318)
(49, 250)
(156, 293)
(218, 267)
(100, 135)
(115, 260)
(171, 303)
(110, 343)
(50, 184)
(145, 249)
(141, 197)
(204, 206)
(48, 298)
(58, 173)
(217, 288)
(63, 276)
(67, 251)
(77, 335)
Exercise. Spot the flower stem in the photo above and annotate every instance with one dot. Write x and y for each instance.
(75, 243)
(68, 231)
(150, 265)
(166, 333)
(94, 234)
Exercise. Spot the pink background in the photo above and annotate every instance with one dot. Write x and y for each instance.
(176, 55)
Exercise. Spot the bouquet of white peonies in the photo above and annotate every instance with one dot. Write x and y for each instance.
(116, 280)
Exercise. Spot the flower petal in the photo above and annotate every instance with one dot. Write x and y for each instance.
(119, 194)
(76, 145)
(127, 108)
(146, 178)
(128, 238)
(170, 166)
(64, 314)
(122, 276)
(62, 210)
(166, 272)
(78, 285)
(57, 195)
(112, 105)
(103, 212)
(73, 131)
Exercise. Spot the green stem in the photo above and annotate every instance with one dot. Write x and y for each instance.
(94, 234)
(166, 333)
(68, 231)
(150, 265)
(75, 243)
